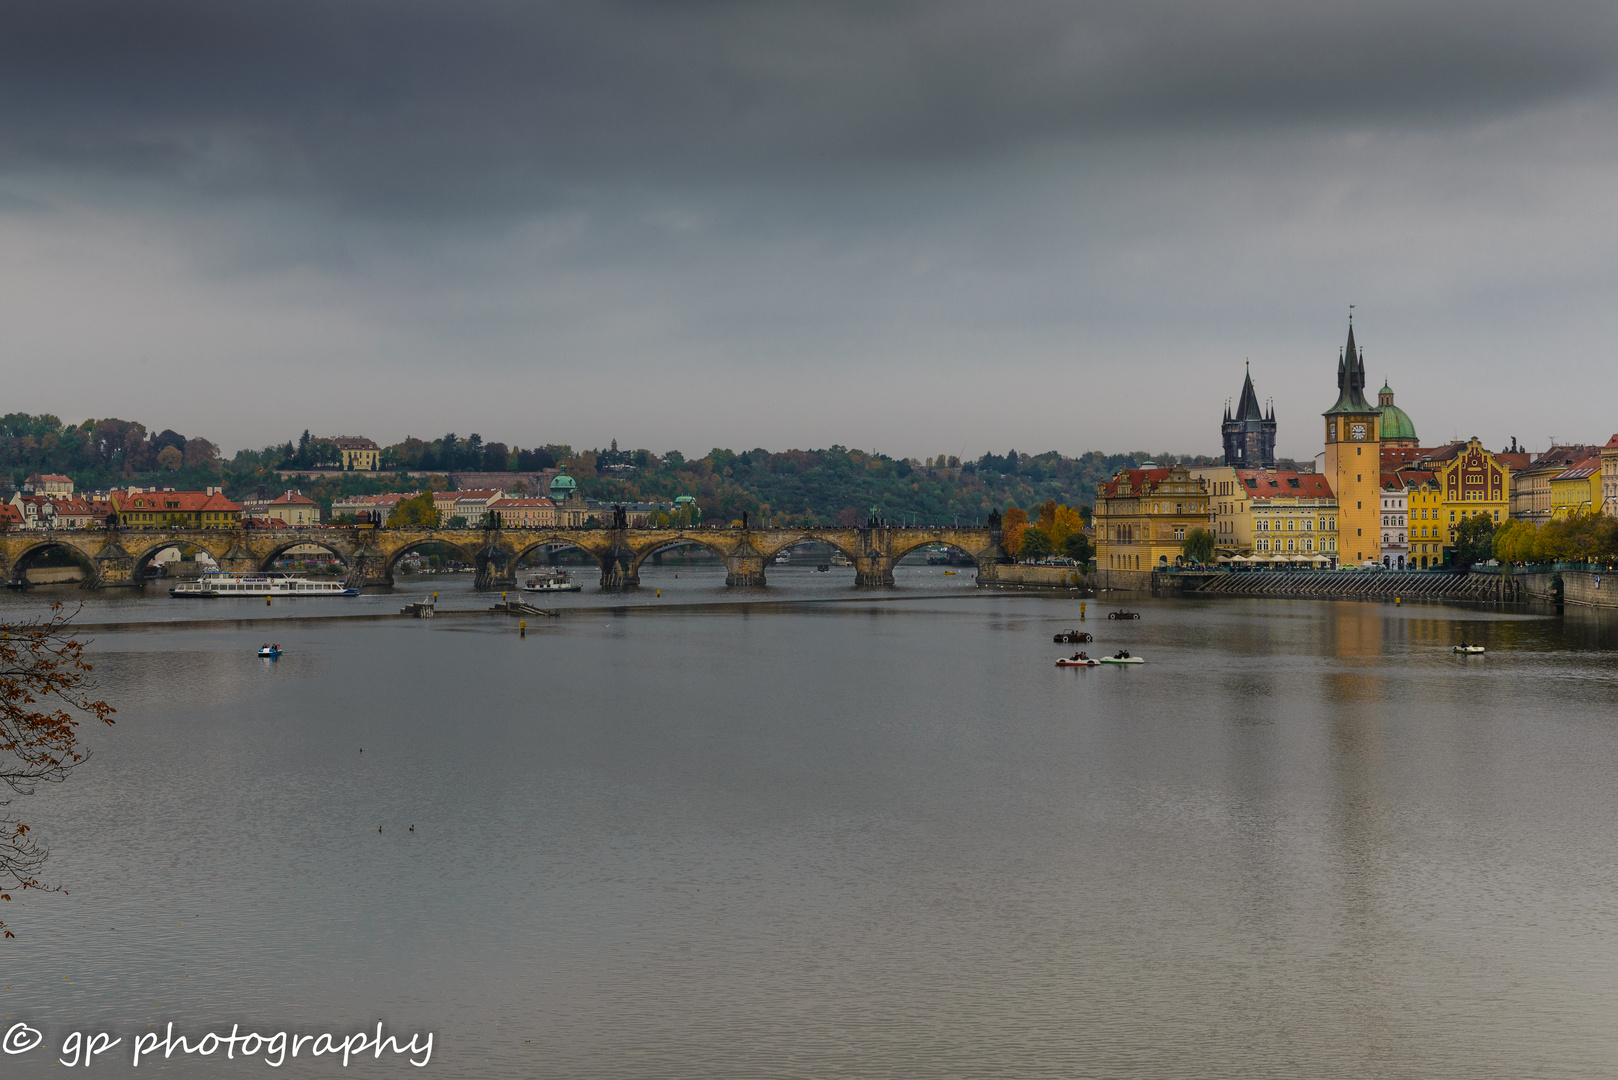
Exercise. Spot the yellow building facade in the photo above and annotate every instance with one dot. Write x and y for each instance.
(1142, 517)
(359, 454)
(1271, 515)
(1576, 490)
(175, 509)
(1424, 498)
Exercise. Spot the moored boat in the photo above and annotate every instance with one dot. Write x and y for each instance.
(551, 581)
(216, 583)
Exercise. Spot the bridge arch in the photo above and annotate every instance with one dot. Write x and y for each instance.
(49, 541)
(267, 561)
(144, 555)
(529, 544)
(771, 551)
(644, 553)
(911, 545)
(466, 554)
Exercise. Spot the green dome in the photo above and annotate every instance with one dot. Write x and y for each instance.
(1396, 424)
(563, 486)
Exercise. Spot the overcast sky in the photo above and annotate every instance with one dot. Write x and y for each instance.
(927, 228)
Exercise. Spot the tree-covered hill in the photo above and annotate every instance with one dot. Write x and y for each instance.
(834, 484)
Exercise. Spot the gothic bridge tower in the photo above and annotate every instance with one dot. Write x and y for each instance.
(1249, 434)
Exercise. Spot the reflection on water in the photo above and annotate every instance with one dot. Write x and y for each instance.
(877, 837)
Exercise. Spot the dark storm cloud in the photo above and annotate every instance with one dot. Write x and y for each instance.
(471, 107)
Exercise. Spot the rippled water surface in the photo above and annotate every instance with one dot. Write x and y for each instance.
(844, 834)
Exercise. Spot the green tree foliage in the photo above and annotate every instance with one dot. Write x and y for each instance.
(416, 513)
(1198, 546)
(1474, 540)
(1078, 547)
(1036, 544)
(1579, 537)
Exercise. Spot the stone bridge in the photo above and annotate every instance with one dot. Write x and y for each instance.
(119, 556)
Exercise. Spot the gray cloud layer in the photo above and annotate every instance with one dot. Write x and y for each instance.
(897, 189)
(452, 106)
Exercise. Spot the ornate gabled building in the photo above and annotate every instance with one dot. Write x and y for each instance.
(1249, 433)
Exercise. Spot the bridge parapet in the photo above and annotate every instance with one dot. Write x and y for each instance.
(370, 555)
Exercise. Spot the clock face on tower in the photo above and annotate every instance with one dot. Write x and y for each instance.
(1356, 431)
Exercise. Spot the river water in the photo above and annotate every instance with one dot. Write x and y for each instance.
(808, 831)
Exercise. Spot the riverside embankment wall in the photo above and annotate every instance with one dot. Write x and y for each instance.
(1019, 576)
(1584, 587)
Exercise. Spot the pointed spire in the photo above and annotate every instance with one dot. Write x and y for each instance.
(1247, 408)
(1350, 377)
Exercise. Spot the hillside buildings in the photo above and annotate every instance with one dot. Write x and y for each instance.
(358, 453)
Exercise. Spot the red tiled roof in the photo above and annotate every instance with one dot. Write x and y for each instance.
(1579, 472)
(178, 502)
(1612, 442)
(1139, 479)
(502, 503)
(10, 515)
(292, 498)
(1284, 483)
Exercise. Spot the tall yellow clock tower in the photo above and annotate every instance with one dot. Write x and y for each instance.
(1353, 461)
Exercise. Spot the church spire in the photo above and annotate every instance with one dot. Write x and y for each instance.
(1350, 379)
(1247, 408)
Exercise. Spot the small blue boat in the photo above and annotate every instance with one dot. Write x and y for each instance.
(270, 652)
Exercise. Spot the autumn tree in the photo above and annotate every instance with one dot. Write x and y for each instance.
(169, 459)
(416, 513)
(1012, 526)
(45, 691)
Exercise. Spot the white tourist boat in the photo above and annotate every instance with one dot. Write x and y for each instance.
(270, 583)
(552, 581)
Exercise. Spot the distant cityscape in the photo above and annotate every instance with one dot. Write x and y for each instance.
(1373, 496)
(1378, 497)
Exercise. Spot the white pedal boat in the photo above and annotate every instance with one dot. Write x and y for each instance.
(1122, 660)
(1068, 661)
(1469, 648)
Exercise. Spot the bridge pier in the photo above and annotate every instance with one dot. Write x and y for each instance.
(873, 571)
(113, 566)
(745, 564)
(745, 570)
(618, 570)
(496, 569)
